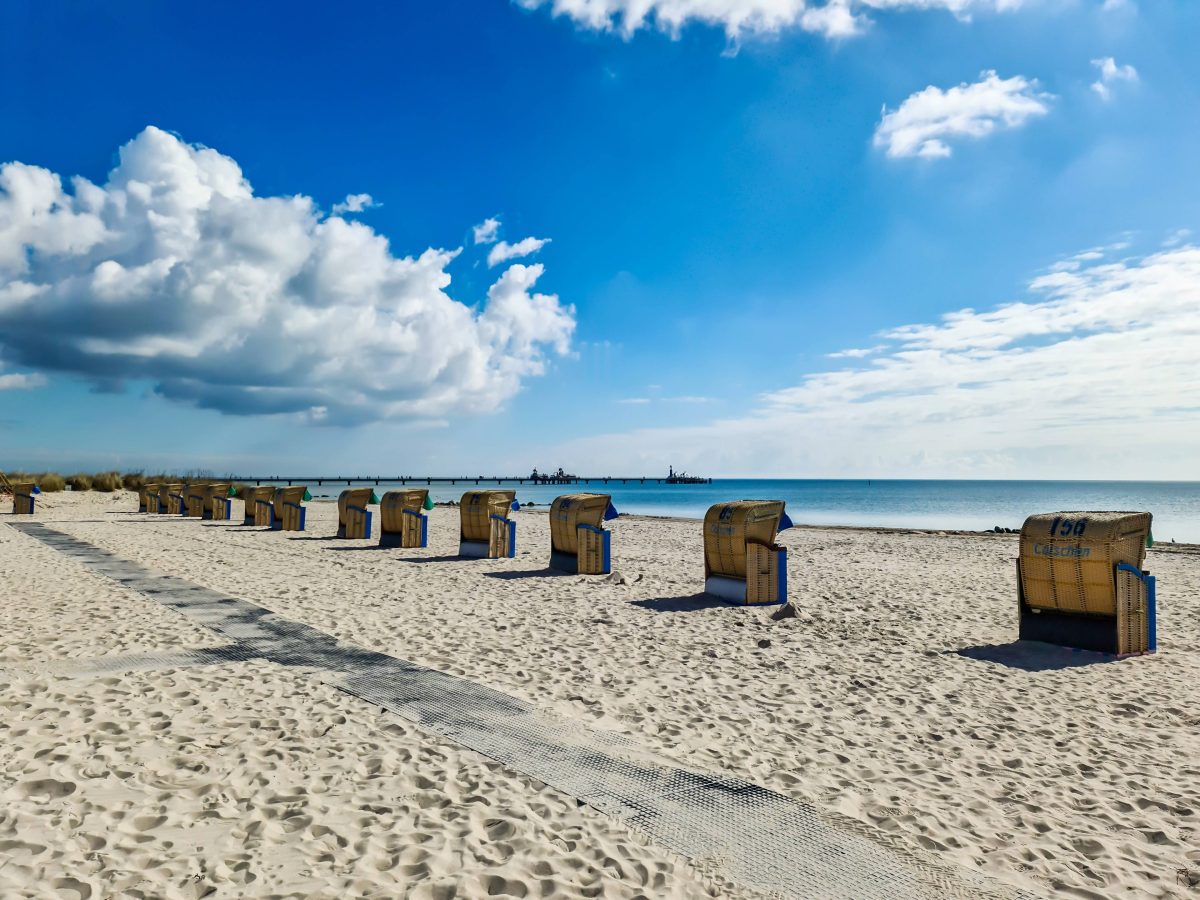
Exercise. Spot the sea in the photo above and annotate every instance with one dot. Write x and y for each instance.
(938, 505)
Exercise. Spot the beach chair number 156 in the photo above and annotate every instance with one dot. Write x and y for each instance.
(1068, 527)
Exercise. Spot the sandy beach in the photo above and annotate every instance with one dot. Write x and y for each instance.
(895, 702)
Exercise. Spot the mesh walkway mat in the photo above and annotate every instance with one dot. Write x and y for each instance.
(751, 835)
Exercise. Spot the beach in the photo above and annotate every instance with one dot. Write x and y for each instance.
(894, 702)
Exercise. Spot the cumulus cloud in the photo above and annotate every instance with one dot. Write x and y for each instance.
(176, 272)
(504, 251)
(924, 123)
(740, 18)
(485, 232)
(1110, 74)
(354, 203)
(1093, 374)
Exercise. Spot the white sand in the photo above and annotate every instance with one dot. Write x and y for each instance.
(1083, 780)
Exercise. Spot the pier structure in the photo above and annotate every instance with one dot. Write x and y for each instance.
(429, 480)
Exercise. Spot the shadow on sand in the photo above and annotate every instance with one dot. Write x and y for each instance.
(692, 603)
(526, 573)
(1034, 656)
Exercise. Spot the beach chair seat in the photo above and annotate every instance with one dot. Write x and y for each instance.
(287, 510)
(742, 562)
(23, 493)
(149, 500)
(1080, 582)
(402, 519)
(485, 529)
(354, 519)
(578, 541)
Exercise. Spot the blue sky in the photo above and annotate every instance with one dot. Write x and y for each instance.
(730, 203)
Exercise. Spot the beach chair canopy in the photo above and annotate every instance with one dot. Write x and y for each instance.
(1068, 560)
(729, 527)
(476, 511)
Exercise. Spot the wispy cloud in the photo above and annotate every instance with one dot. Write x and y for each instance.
(741, 18)
(354, 203)
(174, 271)
(21, 381)
(1092, 375)
(504, 251)
(925, 123)
(1110, 74)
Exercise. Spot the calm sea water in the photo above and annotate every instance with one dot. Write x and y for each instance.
(973, 505)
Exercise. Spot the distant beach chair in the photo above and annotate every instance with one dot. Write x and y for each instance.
(354, 519)
(742, 562)
(578, 541)
(403, 522)
(287, 511)
(23, 493)
(485, 530)
(220, 507)
(148, 499)
(199, 499)
(172, 499)
(257, 501)
(1080, 582)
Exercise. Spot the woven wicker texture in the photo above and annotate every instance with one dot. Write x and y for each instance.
(1133, 620)
(570, 511)
(394, 503)
(762, 574)
(590, 559)
(1067, 558)
(476, 510)
(499, 537)
(287, 506)
(728, 527)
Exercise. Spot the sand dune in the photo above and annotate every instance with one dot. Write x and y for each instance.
(895, 699)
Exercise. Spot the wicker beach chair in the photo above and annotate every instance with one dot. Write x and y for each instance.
(403, 522)
(287, 510)
(354, 519)
(199, 499)
(742, 562)
(578, 541)
(23, 493)
(220, 507)
(149, 500)
(257, 503)
(485, 530)
(172, 498)
(1080, 582)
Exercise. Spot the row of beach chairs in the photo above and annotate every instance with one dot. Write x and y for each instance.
(1080, 581)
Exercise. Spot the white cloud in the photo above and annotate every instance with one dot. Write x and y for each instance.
(1111, 73)
(855, 352)
(504, 251)
(485, 232)
(174, 271)
(924, 122)
(19, 381)
(740, 18)
(1093, 375)
(355, 203)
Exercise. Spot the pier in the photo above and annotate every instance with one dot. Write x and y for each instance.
(429, 480)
